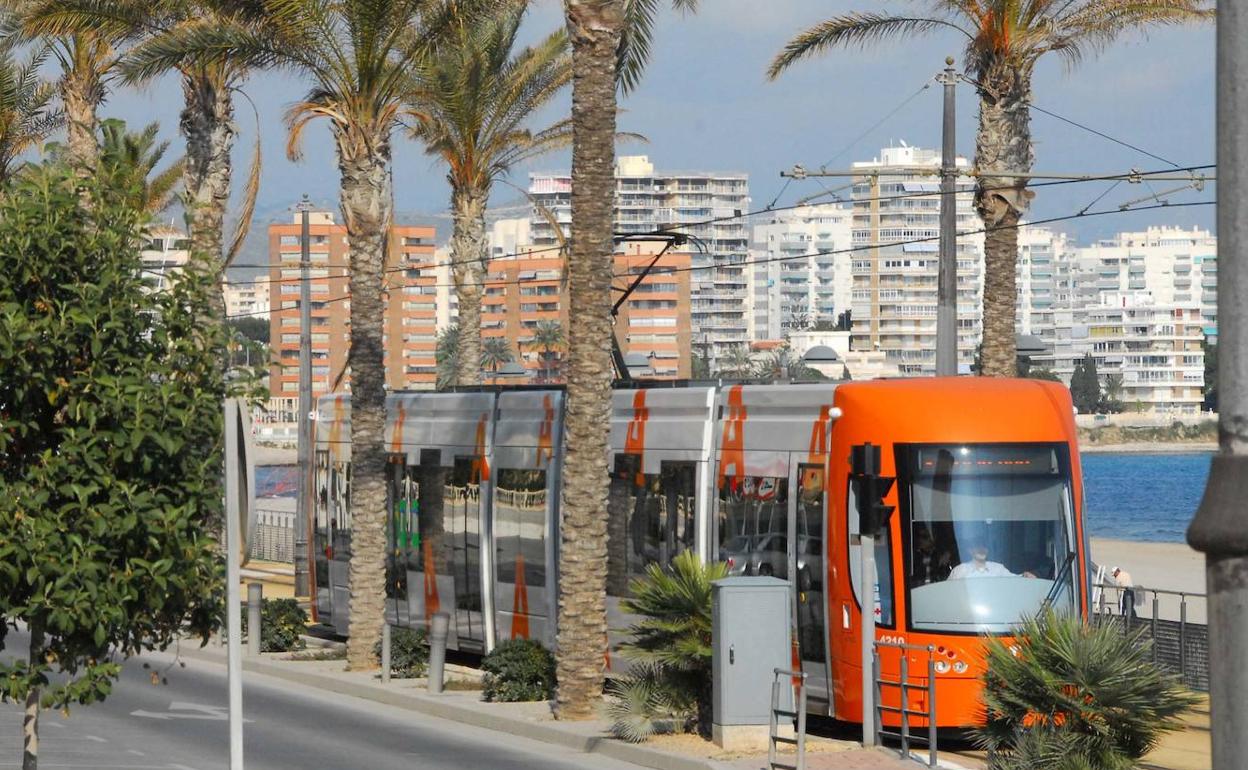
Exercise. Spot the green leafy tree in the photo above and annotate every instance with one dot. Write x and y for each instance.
(670, 680)
(253, 328)
(1085, 385)
(610, 45)
(27, 112)
(1043, 374)
(110, 423)
(1075, 697)
(1004, 41)
(737, 362)
(471, 98)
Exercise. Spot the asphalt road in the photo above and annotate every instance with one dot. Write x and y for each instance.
(182, 726)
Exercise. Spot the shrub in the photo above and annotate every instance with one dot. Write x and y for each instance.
(409, 652)
(518, 670)
(1074, 696)
(669, 685)
(282, 625)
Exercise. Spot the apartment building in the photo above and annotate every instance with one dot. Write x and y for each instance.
(412, 279)
(896, 226)
(1149, 352)
(801, 269)
(163, 255)
(246, 298)
(705, 205)
(1044, 280)
(653, 323)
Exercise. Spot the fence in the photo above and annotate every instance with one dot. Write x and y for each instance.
(274, 536)
(1174, 621)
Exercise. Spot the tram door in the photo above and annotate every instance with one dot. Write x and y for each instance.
(773, 525)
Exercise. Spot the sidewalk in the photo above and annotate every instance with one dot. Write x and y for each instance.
(535, 722)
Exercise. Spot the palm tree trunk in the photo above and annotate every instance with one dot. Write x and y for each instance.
(1002, 144)
(207, 122)
(594, 27)
(30, 724)
(81, 93)
(469, 248)
(366, 207)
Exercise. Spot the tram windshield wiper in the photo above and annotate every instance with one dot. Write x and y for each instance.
(1058, 581)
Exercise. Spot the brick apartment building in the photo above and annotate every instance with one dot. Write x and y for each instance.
(412, 279)
(654, 323)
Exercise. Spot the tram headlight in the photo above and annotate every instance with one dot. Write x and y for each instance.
(959, 667)
(942, 667)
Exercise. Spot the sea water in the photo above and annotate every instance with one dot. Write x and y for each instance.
(1143, 496)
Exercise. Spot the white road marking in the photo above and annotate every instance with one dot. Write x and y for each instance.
(179, 710)
(135, 752)
(95, 738)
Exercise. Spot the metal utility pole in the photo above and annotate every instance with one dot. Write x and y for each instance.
(303, 503)
(1220, 529)
(947, 270)
(233, 613)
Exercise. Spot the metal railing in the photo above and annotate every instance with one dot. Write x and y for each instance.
(274, 536)
(904, 685)
(1175, 623)
(798, 683)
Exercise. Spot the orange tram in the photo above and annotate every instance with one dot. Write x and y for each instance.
(987, 526)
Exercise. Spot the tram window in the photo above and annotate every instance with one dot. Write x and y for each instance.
(339, 506)
(520, 539)
(811, 574)
(651, 518)
(321, 520)
(883, 588)
(753, 525)
(403, 534)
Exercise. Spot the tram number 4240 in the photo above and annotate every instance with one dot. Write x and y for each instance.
(892, 639)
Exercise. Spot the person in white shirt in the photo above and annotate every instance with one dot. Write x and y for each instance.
(979, 566)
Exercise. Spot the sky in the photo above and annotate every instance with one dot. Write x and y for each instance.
(705, 103)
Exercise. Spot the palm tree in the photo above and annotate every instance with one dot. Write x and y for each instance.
(159, 30)
(358, 57)
(470, 99)
(610, 44)
(27, 115)
(446, 354)
(495, 351)
(1065, 694)
(548, 335)
(135, 156)
(1004, 40)
(738, 362)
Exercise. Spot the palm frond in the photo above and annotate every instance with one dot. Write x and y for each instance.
(637, 36)
(854, 29)
(251, 192)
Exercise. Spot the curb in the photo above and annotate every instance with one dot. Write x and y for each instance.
(436, 706)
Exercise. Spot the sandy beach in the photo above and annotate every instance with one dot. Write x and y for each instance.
(1149, 447)
(1166, 566)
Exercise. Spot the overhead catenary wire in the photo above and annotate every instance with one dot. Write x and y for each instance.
(822, 253)
(668, 230)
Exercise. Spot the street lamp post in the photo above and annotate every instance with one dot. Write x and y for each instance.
(1220, 529)
(303, 503)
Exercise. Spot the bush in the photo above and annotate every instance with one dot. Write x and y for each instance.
(1075, 696)
(282, 625)
(669, 685)
(409, 652)
(518, 670)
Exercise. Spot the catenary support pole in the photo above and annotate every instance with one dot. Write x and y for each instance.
(233, 612)
(947, 270)
(303, 501)
(1220, 529)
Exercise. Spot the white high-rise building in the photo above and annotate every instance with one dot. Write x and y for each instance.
(163, 256)
(706, 205)
(1148, 354)
(801, 271)
(1045, 260)
(896, 226)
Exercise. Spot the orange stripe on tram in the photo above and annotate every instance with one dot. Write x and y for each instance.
(520, 603)
(635, 438)
(732, 447)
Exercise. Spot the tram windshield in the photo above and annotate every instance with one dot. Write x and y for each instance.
(988, 533)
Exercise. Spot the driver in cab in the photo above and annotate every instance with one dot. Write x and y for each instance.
(979, 566)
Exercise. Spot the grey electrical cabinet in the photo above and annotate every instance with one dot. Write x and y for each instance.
(751, 637)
